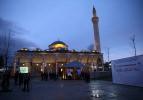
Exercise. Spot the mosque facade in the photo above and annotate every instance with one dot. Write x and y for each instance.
(58, 56)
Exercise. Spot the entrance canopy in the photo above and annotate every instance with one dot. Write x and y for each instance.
(74, 64)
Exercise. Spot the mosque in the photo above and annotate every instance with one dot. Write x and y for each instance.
(60, 60)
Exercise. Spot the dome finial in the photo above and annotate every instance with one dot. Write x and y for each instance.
(94, 11)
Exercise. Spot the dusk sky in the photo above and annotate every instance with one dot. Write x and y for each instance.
(46, 21)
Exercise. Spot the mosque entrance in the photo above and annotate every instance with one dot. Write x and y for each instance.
(69, 73)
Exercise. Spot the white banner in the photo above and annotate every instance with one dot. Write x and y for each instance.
(128, 71)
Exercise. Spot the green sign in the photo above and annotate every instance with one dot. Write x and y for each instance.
(23, 69)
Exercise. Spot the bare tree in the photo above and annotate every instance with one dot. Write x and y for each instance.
(4, 47)
(10, 41)
(133, 38)
(7, 48)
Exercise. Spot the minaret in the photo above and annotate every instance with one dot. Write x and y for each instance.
(95, 20)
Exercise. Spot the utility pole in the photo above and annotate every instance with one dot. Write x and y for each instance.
(134, 44)
(108, 54)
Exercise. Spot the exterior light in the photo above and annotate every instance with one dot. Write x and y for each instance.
(49, 64)
(23, 64)
(25, 49)
(42, 70)
(93, 51)
(95, 67)
(63, 76)
(99, 67)
(45, 65)
(97, 95)
(59, 46)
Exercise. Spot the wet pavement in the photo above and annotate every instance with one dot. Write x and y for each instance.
(74, 90)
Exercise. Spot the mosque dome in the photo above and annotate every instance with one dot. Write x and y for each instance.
(58, 45)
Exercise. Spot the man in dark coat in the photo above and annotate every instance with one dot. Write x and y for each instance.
(26, 82)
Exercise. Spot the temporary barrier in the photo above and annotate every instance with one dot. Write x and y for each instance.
(128, 71)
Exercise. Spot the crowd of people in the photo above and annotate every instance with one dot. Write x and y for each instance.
(49, 76)
(69, 76)
(20, 79)
(23, 79)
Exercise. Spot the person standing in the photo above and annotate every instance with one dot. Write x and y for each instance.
(20, 77)
(26, 82)
(6, 81)
(16, 77)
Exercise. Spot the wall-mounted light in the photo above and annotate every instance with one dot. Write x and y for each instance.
(63, 76)
(93, 51)
(42, 70)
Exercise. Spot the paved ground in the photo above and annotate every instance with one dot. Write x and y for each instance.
(74, 90)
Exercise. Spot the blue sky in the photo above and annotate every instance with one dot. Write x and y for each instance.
(46, 21)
